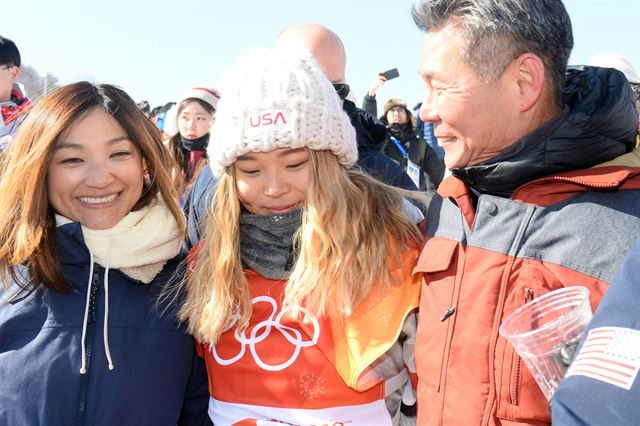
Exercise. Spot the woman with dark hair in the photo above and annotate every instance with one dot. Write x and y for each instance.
(90, 233)
(190, 122)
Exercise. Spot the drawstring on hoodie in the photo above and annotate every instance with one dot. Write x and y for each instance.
(105, 331)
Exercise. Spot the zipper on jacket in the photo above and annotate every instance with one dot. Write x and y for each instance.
(587, 184)
(516, 378)
(91, 331)
(516, 365)
(448, 313)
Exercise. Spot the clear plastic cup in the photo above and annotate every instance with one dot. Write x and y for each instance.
(545, 332)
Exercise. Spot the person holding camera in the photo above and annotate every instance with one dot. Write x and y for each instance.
(403, 144)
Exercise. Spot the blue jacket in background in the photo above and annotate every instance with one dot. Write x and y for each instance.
(426, 132)
(582, 400)
(197, 205)
(158, 377)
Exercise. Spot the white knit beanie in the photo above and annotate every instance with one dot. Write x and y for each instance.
(279, 99)
(206, 94)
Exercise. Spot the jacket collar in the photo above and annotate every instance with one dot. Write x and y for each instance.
(555, 188)
(70, 246)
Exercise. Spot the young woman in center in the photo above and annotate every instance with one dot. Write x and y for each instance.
(301, 294)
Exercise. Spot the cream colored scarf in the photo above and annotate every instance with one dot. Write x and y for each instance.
(139, 245)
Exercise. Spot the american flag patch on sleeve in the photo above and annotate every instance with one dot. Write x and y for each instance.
(611, 355)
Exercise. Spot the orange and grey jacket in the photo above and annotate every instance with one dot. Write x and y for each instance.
(538, 217)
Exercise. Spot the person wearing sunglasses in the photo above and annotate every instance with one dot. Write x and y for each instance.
(328, 50)
(13, 101)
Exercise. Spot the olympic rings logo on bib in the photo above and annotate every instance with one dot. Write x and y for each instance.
(263, 329)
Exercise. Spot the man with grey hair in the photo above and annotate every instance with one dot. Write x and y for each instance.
(543, 193)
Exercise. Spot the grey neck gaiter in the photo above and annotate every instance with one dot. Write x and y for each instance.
(266, 242)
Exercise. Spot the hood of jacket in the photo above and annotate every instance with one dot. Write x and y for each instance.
(70, 246)
(599, 123)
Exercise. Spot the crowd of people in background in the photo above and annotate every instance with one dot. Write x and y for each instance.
(265, 251)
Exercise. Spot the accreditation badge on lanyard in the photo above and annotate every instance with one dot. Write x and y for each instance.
(413, 170)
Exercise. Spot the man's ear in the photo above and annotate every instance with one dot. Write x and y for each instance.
(529, 72)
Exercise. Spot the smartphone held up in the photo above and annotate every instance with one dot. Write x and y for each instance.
(390, 74)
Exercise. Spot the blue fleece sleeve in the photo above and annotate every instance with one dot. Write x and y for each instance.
(605, 390)
(196, 401)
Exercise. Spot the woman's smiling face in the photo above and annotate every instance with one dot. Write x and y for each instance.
(96, 175)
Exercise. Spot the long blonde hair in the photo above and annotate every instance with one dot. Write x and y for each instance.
(354, 230)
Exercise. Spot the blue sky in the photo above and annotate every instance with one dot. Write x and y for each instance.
(155, 50)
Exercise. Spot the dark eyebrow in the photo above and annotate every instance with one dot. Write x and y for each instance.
(291, 151)
(71, 145)
(249, 157)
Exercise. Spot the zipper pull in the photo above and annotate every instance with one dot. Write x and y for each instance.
(448, 313)
(528, 294)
